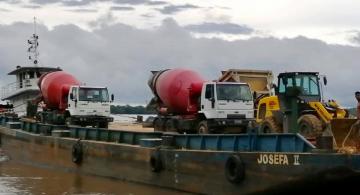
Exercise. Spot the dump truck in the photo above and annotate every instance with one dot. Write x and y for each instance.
(298, 107)
(260, 82)
(66, 101)
(185, 102)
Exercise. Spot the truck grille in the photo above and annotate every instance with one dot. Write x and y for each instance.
(236, 116)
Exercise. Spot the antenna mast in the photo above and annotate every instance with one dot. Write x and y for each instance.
(34, 44)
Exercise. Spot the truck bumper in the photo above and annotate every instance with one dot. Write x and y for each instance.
(92, 119)
(237, 125)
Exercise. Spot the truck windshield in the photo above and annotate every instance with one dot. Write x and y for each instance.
(233, 92)
(93, 94)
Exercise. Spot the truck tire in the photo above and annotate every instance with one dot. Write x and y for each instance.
(170, 125)
(203, 127)
(104, 125)
(158, 124)
(269, 125)
(68, 121)
(310, 125)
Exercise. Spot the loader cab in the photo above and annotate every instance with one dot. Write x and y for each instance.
(226, 99)
(304, 85)
(85, 100)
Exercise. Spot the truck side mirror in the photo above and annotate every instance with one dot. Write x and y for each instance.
(71, 96)
(112, 97)
(325, 80)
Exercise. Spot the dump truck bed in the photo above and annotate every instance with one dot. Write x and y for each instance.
(259, 80)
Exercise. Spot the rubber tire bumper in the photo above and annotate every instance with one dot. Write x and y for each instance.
(234, 169)
(155, 161)
(77, 152)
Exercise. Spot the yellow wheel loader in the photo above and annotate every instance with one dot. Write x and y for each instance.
(297, 107)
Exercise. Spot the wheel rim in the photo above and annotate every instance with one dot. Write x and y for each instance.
(202, 129)
(305, 129)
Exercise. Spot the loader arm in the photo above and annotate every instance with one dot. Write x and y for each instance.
(323, 113)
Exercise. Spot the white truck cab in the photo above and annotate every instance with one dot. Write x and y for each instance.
(226, 104)
(89, 106)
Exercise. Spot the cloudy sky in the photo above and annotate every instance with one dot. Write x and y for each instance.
(118, 42)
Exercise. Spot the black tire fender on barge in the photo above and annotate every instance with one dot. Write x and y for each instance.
(234, 169)
(155, 161)
(77, 152)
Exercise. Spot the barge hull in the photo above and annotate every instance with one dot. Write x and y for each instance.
(196, 171)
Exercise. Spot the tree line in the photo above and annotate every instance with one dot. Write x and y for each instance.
(127, 109)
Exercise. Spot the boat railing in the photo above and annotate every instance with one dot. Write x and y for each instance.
(247, 142)
(14, 87)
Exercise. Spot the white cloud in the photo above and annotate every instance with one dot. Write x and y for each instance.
(121, 56)
(321, 19)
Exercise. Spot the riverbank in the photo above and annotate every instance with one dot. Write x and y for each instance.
(128, 122)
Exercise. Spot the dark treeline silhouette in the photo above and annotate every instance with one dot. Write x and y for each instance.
(127, 109)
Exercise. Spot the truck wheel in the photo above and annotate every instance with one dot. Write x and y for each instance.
(310, 125)
(269, 125)
(104, 125)
(170, 125)
(203, 128)
(68, 121)
(159, 124)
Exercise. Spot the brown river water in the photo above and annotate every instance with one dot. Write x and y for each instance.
(19, 179)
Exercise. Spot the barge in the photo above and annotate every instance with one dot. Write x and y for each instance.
(204, 164)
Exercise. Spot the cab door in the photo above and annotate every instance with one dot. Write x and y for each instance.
(208, 102)
(73, 99)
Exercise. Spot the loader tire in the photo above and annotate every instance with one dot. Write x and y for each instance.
(310, 126)
(269, 125)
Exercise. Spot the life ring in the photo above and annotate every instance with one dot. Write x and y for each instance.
(155, 161)
(77, 152)
(234, 169)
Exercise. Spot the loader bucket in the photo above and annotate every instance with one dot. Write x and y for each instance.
(340, 128)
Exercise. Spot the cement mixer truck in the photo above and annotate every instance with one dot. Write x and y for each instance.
(185, 102)
(66, 101)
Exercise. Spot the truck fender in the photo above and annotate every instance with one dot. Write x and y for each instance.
(201, 116)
